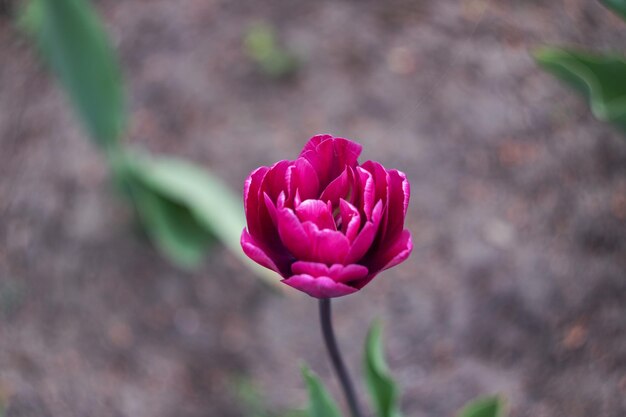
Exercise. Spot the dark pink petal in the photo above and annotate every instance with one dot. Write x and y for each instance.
(276, 179)
(366, 237)
(292, 234)
(392, 254)
(326, 246)
(315, 269)
(397, 201)
(251, 198)
(329, 156)
(350, 219)
(367, 191)
(379, 175)
(308, 183)
(347, 273)
(271, 208)
(346, 152)
(312, 144)
(317, 212)
(338, 188)
(255, 253)
(337, 272)
(319, 287)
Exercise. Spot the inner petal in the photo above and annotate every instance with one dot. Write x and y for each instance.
(316, 211)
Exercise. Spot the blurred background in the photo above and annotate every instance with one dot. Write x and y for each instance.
(517, 282)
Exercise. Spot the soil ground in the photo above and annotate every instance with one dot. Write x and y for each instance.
(517, 283)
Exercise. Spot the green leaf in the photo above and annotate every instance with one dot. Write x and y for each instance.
(484, 407)
(75, 45)
(185, 205)
(263, 48)
(321, 404)
(618, 6)
(171, 225)
(601, 78)
(382, 388)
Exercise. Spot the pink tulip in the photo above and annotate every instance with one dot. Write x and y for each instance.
(325, 223)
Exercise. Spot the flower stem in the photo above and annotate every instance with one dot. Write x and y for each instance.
(335, 357)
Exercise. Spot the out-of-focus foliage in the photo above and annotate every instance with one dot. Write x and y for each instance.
(484, 407)
(180, 205)
(382, 388)
(74, 44)
(618, 6)
(601, 77)
(262, 47)
(253, 404)
(321, 404)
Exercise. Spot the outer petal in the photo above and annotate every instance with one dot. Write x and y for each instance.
(367, 191)
(397, 202)
(391, 255)
(366, 237)
(320, 287)
(337, 272)
(348, 273)
(257, 254)
(251, 198)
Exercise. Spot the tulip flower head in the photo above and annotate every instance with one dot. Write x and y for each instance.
(327, 224)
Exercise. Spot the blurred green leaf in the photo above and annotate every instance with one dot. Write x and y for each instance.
(75, 45)
(601, 78)
(263, 48)
(321, 404)
(182, 205)
(170, 224)
(484, 407)
(254, 405)
(382, 388)
(618, 6)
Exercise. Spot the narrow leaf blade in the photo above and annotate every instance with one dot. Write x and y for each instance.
(321, 404)
(75, 45)
(600, 78)
(382, 388)
(212, 204)
(484, 407)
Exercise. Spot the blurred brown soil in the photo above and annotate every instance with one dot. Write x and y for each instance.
(517, 283)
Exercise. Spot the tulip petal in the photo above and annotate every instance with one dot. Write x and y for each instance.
(391, 255)
(347, 273)
(337, 272)
(326, 246)
(366, 237)
(367, 191)
(251, 198)
(350, 219)
(320, 287)
(329, 156)
(292, 234)
(308, 183)
(255, 253)
(380, 176)
(397, 202)
(338, 188)
(317, 212)
(315, 269)
(276, 179)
